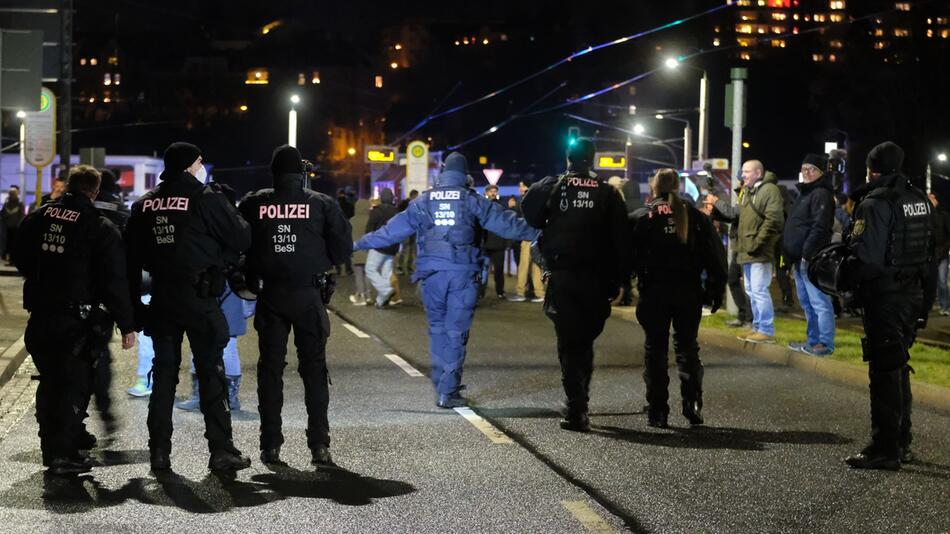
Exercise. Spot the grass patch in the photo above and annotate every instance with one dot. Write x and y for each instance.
(931, 364)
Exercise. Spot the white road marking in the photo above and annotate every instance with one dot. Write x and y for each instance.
(588, 517)
(356, 331)
(403, 364)
(494, 435)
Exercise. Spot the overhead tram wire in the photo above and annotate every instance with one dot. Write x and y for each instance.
(514, 117)
(568, 59)
(638, 77)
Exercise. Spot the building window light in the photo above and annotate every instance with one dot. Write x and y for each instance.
(315, 77)
(817, 58)
(257, 77)
(902, 6)
(836, 4)
(779, 16)
(716, 42)
(93, 62)
(82, 61)
(379, 82)
(901, 32)
(107, 79)
(745, 56)
(301, 79)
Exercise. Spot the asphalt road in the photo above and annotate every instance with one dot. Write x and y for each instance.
(768, 460)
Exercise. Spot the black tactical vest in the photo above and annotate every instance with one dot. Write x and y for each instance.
(288, 244)
(63, 276)
(168, 213)
(910, 245)
(576, 231)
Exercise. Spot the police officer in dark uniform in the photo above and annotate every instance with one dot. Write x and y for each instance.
(585, 246)
(184, 234)
(74, 264)
(298, 236)
(110, 205)
(674, 245)
(890, 249)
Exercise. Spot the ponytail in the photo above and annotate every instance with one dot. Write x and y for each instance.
(665, 183)
(680, 216)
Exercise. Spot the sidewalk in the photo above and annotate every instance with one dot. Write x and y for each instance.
(12, 323)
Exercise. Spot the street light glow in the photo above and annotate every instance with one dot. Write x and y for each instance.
(22, 115)
(941, 157)
(659, 116)
(672, 63)
(295, 99)
(351, 151)
(639, 129)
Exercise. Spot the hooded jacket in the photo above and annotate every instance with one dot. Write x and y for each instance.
(380, 215)
(423, 216)
(761, 219)
(809, 224)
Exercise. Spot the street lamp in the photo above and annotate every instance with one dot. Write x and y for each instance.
(638, 129)
(673, 63)
(292, 121)
(687, 139)
(942, 157)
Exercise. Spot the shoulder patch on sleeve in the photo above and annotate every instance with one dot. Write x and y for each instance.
(858, 227)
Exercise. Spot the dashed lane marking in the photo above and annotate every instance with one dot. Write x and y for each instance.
(494, 435)
(403, 364)
(356, 331)
(587, 517)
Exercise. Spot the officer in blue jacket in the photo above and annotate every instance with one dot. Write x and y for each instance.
(445, 220)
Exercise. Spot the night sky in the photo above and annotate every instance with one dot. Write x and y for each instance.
(794, 105)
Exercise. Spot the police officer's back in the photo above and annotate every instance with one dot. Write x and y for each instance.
(675, 244)
(892, 246)
(73, 261)
(184, 234)
(585, 247)
(298, 236)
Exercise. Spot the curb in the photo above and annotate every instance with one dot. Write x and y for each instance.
(929, 395)
(10, 360)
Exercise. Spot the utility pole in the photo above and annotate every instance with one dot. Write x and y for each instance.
(737, 121)
(66, 84)
(688, 147)
(703, 149)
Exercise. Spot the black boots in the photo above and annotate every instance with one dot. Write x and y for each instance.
(888, 429)
(272, 456)
(693, 411)
(228, 458)
(576, 422)
(159, 460)
(320, 455)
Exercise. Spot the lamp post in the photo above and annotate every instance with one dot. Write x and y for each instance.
(703, 146)
(22, 116)
(942, 158)
(687, 139)
(292, 121)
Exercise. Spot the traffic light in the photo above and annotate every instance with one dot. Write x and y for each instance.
(573, 133)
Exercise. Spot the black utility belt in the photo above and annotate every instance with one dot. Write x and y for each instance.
(315, 280)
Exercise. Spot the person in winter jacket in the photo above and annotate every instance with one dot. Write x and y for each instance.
(761, 218)
(379, 261)
(808, 228)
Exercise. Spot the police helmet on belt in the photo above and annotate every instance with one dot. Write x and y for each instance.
(886, 158)
(826, 268)
(180, 155)
(581, 153)
(286, 160)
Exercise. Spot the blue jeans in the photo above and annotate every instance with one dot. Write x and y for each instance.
(232, 360)
(758, 278)
(146, 352)
(819, 311)
(943, 295)
(379, 269)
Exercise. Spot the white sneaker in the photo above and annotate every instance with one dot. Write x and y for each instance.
(358, 300)
(516, 298)
(140, 389)
(537, 299)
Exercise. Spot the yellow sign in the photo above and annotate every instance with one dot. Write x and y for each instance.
(612, 162)
(381, 156)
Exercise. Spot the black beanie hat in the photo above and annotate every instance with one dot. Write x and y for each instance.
(816, 160)
(886, 158)
(180, 155)
(581, 152)
(286, 160)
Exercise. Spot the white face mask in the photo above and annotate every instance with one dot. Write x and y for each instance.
(201, 174)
